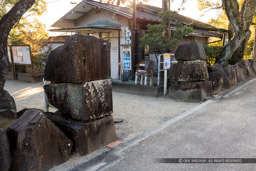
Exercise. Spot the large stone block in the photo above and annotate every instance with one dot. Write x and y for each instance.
(36, 143)
(7, 105)
(231, 74)
(84, 101)
(5, 155)
(190, 52)
(217, 81)
(87, 137)
(247, 68)
(240, 76)
(189, 71)
(253, 65)
(196, 91)
(80, 59)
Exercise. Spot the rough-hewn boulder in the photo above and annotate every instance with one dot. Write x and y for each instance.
(87, 137)
(247, 68)
(197, 91)
(190, 52)
(7, 105)
(239, 73)
(253, 65)
(36, 143)
(84, 101)
(80, 59)
(5, 156)
(217, 81)
(222, 81)
(231, 74)
(189, 71)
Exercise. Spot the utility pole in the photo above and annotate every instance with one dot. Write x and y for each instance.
(166, 57)
(254, 45)
(134, 41)
(166, 5)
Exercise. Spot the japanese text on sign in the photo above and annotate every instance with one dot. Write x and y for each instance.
(167, 60)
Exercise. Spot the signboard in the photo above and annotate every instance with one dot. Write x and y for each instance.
(128, 35)
(127, 60)
(167, 60)
(20, 54)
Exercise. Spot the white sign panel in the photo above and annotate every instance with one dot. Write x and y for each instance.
(127, 60)
(128, 35)
(167, 60)
(21, 55)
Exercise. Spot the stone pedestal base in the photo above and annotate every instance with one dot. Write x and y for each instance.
(86, 137)
(196, 91)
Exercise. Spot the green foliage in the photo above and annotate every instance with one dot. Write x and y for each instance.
(28, 30)
(213, 53)
(157, 36)
(249, 50)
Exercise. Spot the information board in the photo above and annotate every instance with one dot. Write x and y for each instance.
(167, 60)
(21, 54)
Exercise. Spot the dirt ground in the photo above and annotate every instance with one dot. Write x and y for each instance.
(140, 113)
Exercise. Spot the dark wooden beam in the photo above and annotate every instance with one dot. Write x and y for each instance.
(78, 12)
(68, 21)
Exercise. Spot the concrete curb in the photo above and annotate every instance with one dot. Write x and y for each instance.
(112, 157)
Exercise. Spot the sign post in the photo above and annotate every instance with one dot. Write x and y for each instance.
(167, 65)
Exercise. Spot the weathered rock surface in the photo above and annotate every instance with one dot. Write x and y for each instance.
(5, 155)
(190, 52)
(253, 65)
(87, 137)
(222, 82)
(189, 71)
(7, 105)
(239, 73)
(80, 59)
(247, 68)
(197, 91)
(6, 122)
(36, 143)
(217, 81)
(86, 101)
(231, 74)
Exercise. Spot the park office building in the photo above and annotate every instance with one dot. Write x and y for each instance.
(114, 23)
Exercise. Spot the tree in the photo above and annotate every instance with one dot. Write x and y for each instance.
(240, 16)
(6, 23)
(157, 39)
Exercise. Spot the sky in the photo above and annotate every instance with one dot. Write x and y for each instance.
(58, 8)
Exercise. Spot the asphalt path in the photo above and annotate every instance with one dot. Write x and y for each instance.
(221, 128)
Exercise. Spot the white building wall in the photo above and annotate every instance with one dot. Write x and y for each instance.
(92, 17)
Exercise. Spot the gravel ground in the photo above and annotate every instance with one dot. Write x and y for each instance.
(140, 113)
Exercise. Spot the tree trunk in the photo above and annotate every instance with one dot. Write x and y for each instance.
(240, 21)
(233, 52)
(6, 24)
(239, 53)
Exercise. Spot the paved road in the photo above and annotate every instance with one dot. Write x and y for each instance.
(221, 129)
